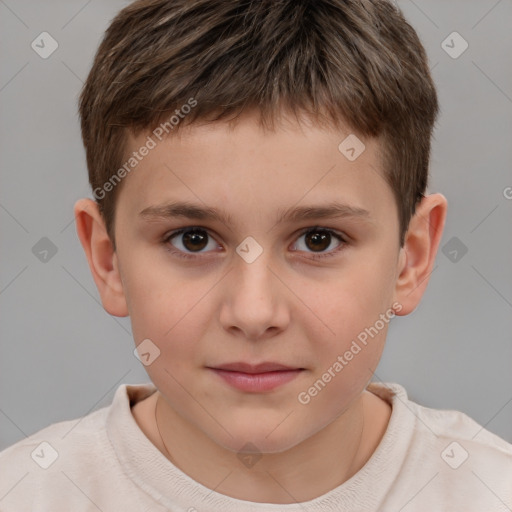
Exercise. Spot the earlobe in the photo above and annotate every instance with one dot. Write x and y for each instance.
(417, 256)
(101, 256)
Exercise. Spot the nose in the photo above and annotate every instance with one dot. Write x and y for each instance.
(254, 303)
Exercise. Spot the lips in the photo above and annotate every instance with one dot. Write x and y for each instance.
(257, 368)
(256, 378)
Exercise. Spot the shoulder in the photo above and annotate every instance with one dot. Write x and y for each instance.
(451, 457)
(440, 424)
(77, 434)
(63, 456)
(37, 459)
(468, 460)
(447, 425)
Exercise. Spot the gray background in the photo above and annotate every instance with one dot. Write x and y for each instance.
(62, 356)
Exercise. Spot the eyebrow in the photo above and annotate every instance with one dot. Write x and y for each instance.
(188, 210)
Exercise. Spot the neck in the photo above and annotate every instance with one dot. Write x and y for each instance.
(304, 472)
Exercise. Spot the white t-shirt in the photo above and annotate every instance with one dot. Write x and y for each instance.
(427, 461)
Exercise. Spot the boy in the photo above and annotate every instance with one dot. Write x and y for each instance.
(290, 144)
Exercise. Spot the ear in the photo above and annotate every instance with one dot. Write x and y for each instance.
(417, 256)
(101, 256)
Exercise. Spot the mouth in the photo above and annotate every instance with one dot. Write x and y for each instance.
(256, 378)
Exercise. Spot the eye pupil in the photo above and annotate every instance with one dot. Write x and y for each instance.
(319, 240)
(195, 239)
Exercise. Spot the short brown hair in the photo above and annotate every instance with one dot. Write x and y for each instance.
(345, 63)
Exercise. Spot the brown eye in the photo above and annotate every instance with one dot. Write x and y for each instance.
(192, 240)
(317, 240)
(195, 240)
(320, 241)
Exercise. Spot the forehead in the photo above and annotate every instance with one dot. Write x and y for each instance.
(244, 167)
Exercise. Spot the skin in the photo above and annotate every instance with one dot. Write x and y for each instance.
(284, 307)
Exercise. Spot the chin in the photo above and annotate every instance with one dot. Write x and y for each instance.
(256, 439)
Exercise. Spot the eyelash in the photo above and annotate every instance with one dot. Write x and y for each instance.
(318, 256)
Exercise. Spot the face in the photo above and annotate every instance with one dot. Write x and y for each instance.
(271, 277)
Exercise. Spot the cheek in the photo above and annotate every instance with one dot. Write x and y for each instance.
(350, 331)
(344, 371)
(174, 313)
(171, 315)
(346, 366)
(348, 303)
(166, 303)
